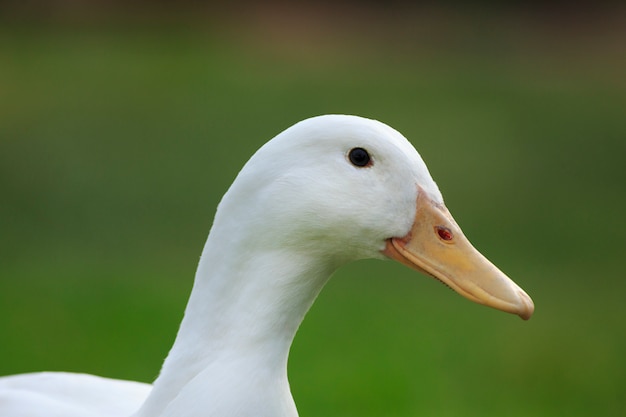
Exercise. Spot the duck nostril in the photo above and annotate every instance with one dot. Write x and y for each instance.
(444, 233)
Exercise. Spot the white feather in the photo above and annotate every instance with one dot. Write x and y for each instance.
(296, 212)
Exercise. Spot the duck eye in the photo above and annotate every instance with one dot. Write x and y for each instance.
(359, 157)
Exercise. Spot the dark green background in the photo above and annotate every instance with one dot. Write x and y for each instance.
(118, 140)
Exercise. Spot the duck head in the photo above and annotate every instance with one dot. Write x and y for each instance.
(346, 188)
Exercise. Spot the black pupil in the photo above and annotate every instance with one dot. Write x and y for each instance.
(359, 157)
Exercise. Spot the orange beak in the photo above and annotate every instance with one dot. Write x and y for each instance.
(436, 246)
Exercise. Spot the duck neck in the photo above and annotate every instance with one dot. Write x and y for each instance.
(240, 321)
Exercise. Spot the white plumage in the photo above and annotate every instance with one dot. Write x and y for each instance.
(300, 208)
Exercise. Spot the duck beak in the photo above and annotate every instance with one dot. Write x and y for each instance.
(435, 245)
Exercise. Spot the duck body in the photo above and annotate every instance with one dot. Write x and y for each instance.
(327, 191)
(65, 394)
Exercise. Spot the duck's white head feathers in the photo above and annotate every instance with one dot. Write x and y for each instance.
(307, 193)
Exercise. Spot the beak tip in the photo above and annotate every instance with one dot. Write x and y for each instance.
(527, 307)
(525, 315)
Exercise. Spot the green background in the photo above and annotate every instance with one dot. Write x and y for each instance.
(119, 136)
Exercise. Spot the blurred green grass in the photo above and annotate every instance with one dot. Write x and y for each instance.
(115, 148)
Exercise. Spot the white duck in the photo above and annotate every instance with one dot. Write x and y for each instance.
(325, 192)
